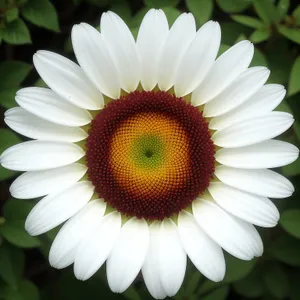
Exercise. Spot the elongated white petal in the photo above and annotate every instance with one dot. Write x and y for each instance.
(268, 154)
(122, 48)
(262, 102)
(151, 270)
(40, 155)
(47, 105)
(254, 209)
(68, 80)
(150, 40)
(64, 247)
(223, 72)
(172, 258)
(93, 56)
(40, 183)
(56, 208)
(234, 235)
(253, 131)
(239, 91)
(128, 255)
(198, 59)
(204, 253)
(96, 245)
(263, 182)
(27, 124)
(180, 36)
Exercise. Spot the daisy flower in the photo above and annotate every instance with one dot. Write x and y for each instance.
(150, 151)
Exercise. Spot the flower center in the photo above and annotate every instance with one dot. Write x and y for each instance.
(149, 154)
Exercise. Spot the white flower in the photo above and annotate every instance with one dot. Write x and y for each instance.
(176, 166)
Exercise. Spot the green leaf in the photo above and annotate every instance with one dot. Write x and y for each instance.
(237, 269)
(193, 283)
(279, 60)
(260, 35)
(292, 169)
(12, 73)
(266, 10)
(286, 249)
(296, 15)
(231, 31)
(259, 59)
(122, 8)
(283, 106)
(290, 221)
(222, 49)
(7, 139)
(11, 14)
(137, 19)
(15, 233)
(132, 294)
(5, 174)
(276, 280)
(282, 9)
(161, 3)
(248, 21)
(233, 6)
(172, 14)
(41, 13)
(219, 294)
(11, 264)
(292, 34)
(7, 97)
(201, 9)
(17, 209)
(251, 286)
(26, 290)
(296, 127)
(294, 82)
(15, 33)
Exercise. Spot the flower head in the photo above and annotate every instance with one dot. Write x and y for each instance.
(151, 151)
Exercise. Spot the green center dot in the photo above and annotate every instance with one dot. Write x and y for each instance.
(148, 151)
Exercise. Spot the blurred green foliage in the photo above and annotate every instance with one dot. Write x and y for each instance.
(28, 25)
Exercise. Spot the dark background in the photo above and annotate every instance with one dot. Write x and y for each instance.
(29, 25)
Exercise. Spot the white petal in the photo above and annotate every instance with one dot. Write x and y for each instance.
(96, 246)
(68, 80)
(122, 48)
(198, 59)
(180, 36)
(93, 56)
(128, 255)
(237, 92)
(263, 182)
(27, 124)
(40, 155)
(253, 131)
(204, 253)
(56, 208)
(172, 258)
(64, 247)
(264, 101)
(223, 72)
(151, 270)
(254, 209)
(40, 183)
(235, 236)
(150, 40)
(47, 105)
(268, 154)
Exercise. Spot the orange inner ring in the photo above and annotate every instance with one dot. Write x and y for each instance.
(169, 166)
